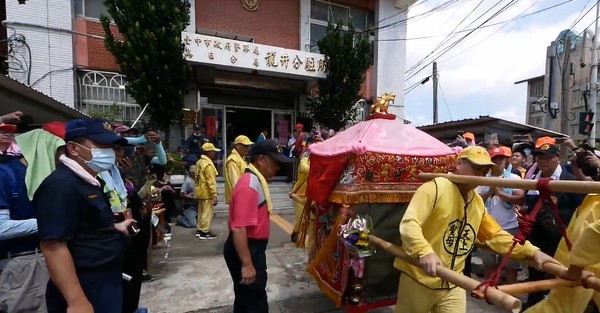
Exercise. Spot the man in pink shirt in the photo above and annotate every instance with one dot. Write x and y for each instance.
(249, 228)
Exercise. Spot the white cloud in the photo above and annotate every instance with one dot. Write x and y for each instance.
(486, 72)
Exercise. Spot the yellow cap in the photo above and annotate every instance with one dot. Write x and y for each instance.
(480, 156)
(242, 140)
(209, 147)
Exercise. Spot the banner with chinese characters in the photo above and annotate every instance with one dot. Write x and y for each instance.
(240, 54)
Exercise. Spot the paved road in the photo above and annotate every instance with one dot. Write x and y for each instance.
(191, 276)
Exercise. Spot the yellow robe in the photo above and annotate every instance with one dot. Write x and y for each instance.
(300, 190)
(433, 224)
(234, 168)
(584, 232)
(206, 179)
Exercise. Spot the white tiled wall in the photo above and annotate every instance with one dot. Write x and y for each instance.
(51, 51)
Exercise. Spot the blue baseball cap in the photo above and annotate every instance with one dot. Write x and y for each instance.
(271, 148)
(94, 129)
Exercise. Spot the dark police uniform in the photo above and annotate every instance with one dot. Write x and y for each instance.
(72, 210)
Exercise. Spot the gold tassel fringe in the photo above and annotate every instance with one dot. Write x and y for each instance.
(370, 197)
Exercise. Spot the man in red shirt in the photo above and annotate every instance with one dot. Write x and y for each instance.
(249, 228)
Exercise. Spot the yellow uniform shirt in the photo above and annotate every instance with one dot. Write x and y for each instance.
(206, 179)
(439, 221)
(303, 169)
(235, 166)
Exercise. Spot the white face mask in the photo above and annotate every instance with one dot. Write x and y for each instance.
(102, 159)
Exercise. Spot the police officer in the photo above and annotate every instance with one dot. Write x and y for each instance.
(82, 244)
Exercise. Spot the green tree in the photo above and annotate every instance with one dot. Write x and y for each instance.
(348, 56)
(110, 114)
(149, 52)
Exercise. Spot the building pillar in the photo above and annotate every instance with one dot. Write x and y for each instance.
(304, 25)
(192, 27)
(390, 54)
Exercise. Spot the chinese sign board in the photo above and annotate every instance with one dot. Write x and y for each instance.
(241, 54)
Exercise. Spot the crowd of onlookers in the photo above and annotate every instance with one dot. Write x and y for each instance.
(528, 159)
(79, 207)
(83, 202)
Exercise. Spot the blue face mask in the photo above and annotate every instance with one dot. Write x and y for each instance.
(102, 159)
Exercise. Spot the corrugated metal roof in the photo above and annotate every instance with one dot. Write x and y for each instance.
(487, 118)
(529, 79)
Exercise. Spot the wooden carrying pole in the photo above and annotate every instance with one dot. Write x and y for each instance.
(557, 270)
(523, 184)
(533, 286)
(495, 296)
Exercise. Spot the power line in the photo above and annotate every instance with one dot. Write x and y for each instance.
(454, 44)
(448, 36)
(417, 84)
(437, 8)
(484, 26)
(444, 98)
(492, 34)
(445, 40)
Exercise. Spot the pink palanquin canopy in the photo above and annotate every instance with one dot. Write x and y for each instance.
(382, 136)
(377, 161)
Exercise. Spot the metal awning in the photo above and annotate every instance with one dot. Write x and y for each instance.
(37, 107)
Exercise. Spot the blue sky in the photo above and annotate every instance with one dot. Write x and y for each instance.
(480, 79)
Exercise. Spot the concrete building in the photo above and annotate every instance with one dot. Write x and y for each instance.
(40, 47)
(254, 62)
(555, 99)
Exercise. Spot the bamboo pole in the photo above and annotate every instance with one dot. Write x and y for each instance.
(533, 286)
(523, 184)
(495, 296)
(557, 270)
(297, 198)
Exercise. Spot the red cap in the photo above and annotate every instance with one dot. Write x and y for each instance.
(503, 151)
(299, 126)
(8, 127)
(57, 129)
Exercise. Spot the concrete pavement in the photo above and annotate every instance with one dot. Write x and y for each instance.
(191, 276)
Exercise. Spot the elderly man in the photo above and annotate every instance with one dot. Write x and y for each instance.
(546, 232)
(82, 244)
(440, 227)
(249, 210)
(235, 164)
(206, 190)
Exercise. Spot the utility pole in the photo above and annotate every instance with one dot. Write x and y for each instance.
(594, 79)
(565, 91)
(435, 97)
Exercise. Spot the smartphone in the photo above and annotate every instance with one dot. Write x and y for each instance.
(461, 132)
(561, 140)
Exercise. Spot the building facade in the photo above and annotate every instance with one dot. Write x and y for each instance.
(555, 99)
(254, 61)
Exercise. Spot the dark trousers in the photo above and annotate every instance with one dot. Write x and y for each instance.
(136, 257)
(248, 298)
(103, 290)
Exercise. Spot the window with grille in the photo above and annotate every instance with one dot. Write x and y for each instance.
(90, 8)
(322, 12)
(102, 90)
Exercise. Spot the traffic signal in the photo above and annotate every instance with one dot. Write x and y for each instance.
(585, 123)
